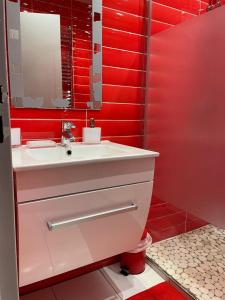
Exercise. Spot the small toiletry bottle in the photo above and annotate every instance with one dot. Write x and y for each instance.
(92, 134)
(15, 137)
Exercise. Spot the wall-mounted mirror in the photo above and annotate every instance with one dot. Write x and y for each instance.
(55, 53)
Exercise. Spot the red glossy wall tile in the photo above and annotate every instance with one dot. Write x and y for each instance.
(133, 141)
(124, 21)
(81, 33)
(26, 5)
(167, 226)
(162, 210)
(121, 128)
(118, 112)
(124, 40)
(124, 77)
(45, 129)
(168, 14)
(81, 71)
(81, 62)
(136, 7)
(50, 7)
(158, 235)
(81, 97)
(29, 113)
(123, 94)
(168, 221)
(157, 26)
(81, 44)
(124, 59)
(191, 6)
(81, 89)
(156, 201)
(64, 3)
(83, 80)
(193, 222)
(82, 53)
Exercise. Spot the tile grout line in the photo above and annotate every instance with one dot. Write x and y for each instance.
(53, 292)
(166, 276)
(109, 283)
(186, 217)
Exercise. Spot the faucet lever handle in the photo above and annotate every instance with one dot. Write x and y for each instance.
(67, 125)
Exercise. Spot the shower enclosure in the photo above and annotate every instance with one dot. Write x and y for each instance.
(186, 124)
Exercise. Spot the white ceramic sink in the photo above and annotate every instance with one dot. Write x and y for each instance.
(25, 158)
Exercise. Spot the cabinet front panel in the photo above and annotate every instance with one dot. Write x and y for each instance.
(53, 182)
(65, 233)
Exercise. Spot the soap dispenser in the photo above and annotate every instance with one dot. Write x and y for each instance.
(92, 134)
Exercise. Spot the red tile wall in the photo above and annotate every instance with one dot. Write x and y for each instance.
(166, 220)
(124, 55)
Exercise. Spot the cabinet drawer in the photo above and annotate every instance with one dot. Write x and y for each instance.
(65, 233)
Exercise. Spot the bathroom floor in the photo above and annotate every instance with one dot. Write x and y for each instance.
(105, 284)
(195, 260)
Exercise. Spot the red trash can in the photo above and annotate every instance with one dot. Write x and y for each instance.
(133, 262)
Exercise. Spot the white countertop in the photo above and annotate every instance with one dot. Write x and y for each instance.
(25, 158)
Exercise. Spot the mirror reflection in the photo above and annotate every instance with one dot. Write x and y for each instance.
(58, 54)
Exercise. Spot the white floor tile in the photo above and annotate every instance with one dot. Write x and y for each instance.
(92, 286)
(45, 294)
(127, 286)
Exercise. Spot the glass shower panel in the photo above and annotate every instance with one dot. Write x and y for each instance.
(186, 115)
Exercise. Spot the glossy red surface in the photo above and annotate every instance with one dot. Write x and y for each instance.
(136, 7)
(124, 28)
(118, 128)
(168, 14)
(162, 291)
(126, 111)
(165, 220)
(124, 59)
(191, 6)
(133, 262)
(124, 47)
(124, 77)
(114, 38)
(123, 94)
(115, 19)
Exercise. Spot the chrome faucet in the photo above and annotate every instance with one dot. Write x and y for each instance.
(67, 136)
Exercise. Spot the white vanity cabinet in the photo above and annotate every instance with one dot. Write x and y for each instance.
(45, 252)
(73, 215)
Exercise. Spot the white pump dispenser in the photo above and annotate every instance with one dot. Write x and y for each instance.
(92, 134)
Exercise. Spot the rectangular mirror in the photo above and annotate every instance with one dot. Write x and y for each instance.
(55, 53)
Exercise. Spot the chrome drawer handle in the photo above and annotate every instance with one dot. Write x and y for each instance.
(57, 224)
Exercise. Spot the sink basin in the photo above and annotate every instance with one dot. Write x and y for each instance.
(25, 158)
(47, 172)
